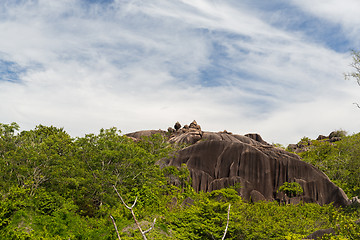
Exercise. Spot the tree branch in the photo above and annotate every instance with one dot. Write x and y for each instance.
(134, 217)
(123, 200)
(151, 227)
(112, 219)
(227, 224)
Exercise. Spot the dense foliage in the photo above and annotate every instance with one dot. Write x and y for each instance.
(339, 160)
(54, 186)
(291, 189)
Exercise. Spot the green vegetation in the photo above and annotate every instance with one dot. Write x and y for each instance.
(291, 189)
(339, 160)
(338, 133)
(53, 186)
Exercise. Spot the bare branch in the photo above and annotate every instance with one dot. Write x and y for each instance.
(137, 175)
(137, 223)
(356, 105)
(123, 200)
(134, 217)
(356, 66)
(227, 224)
(112, 219)
(152, 226)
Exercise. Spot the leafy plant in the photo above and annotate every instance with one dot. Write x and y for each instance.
(340, 161)
(291, 189)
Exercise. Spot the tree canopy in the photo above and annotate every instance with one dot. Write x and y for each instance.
(53, 186)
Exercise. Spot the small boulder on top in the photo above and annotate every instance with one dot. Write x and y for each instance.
(177, 126)
(194, 125)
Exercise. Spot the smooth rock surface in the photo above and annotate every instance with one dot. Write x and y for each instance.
(220, 160)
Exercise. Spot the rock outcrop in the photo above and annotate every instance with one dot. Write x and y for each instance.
(145, 133)
(189, 134)
(304, 146)
(218, 160)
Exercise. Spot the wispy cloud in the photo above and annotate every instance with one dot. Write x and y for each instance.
(244, 66)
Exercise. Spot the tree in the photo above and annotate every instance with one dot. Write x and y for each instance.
(291, 189)
(356, 65)
(133, 214)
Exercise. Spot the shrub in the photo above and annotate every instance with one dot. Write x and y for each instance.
(337, 133)
(291, 189)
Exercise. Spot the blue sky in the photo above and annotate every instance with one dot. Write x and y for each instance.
(271, 67)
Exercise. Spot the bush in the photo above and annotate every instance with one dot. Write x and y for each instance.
(291, 189)
(338, 133)
(340, 161)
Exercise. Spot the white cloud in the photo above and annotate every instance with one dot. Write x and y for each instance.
(344, 13)
(139, 65)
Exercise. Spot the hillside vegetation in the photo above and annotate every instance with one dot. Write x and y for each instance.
(54, 186)
(339, 160)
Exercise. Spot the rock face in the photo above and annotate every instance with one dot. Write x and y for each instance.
(256, 137)
(218, 160)
(145, 133)
(225, 160)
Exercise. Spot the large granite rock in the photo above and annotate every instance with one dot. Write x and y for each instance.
(218, 160)
(145, 133)
(223, 160)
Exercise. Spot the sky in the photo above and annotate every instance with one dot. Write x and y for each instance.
(252, 66)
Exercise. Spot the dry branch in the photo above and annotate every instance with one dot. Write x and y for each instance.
(227, 224)
(134, 217)
(112, 219)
